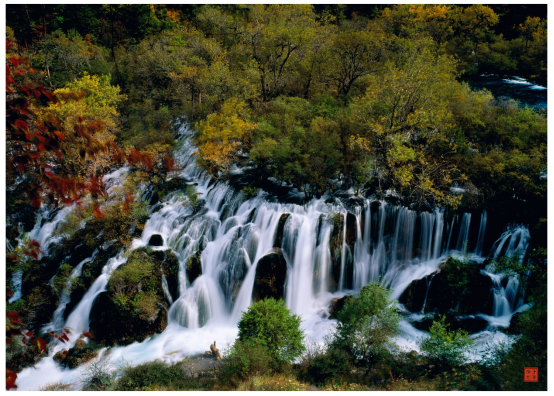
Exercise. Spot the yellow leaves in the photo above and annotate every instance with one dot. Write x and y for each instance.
(224, 135)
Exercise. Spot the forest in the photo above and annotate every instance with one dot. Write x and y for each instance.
(304, 103)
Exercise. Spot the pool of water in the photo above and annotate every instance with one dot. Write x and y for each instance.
(527, 93)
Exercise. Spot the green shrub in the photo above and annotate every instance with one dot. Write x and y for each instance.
(96, 375)
(151, 375)
(443, 347)
(275, 327)
(329, 366)
(250, 191)
(245, 359)
(366, 323)
(63, 275)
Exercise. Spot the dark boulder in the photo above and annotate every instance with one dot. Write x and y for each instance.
(82, 352)
(271, 274)
(470, 324)
(455, 287)
(414, 295)
(336, 306)
(226, 213)
(351, 229)
(280, 230)
(251, 216)
(156, 240)
(134, 299)
(194, 267)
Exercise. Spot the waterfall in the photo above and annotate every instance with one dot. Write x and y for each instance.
(463, 236)
(57, 319)
(512, 243)
(230, 234)
(479, 247)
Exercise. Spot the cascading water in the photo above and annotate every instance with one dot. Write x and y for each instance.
(330, 249)
(507, 298)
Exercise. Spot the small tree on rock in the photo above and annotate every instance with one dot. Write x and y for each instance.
(366, 324)
(272, 324)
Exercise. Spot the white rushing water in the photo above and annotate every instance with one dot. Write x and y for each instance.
(373, 241)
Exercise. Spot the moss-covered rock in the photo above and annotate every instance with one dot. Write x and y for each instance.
(456, 287)
(135, 299)
(278, 241)
(194, 266)
(271, 273)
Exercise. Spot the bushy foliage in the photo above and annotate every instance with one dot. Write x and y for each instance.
(245, 359)
(326, 367)
(152, 375)
(134, 286)
(272, 324)
(445, 348)
(366, 324)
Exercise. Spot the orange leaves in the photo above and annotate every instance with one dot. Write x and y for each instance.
(14, 319)
(32, 249)
(41, 343)
(136, 158)
(11, 376)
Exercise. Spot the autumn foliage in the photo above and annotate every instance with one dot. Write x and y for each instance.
(38, 144)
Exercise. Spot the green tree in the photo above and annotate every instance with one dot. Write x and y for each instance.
(272, 324)
(366, 324)
(444, 347)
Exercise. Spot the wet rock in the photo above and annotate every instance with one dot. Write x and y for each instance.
(271, 273)
(351, 229)
(414, 295)
(156, 240)
(336, 306)
(251, 216)
(194, 267)
(455, 287)
(226, 213)
(515, 324)
(80, 344)
(60, 356)
(470, 324)
(280, 230)
(25, 356)
(134, 303)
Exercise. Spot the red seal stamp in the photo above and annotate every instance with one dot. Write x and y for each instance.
(531, 374)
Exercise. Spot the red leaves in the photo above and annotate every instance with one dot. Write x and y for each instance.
(136, 158)
(14, 318)
(96, 211)
(20, 124)
(41, 343)
(32, 249)
(87, 334)
(15, 61)
(62, 336)
(11, 376)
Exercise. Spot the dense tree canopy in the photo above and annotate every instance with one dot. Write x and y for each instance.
(317, 97)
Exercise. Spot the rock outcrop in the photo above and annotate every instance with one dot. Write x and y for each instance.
(271, 273)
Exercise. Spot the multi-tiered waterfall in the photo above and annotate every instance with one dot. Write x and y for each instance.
(332, 247)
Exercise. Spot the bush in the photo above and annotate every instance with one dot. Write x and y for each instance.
(152, 375)
(274, 326)
(445, 348)
(329, 366)
(97, 375)
(366, 323)
(245, 359)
